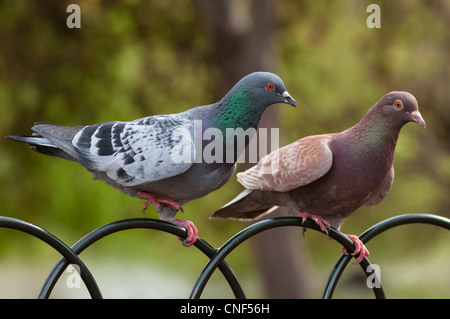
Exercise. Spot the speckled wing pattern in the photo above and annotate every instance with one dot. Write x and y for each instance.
(137, 152)
(291, 166)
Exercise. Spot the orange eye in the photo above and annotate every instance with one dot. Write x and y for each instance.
(270, 86)
(398, 104)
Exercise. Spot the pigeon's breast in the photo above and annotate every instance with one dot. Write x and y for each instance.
(347, 185)
(198, 181)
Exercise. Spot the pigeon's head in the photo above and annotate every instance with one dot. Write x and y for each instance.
(266, 88)
(400, 107)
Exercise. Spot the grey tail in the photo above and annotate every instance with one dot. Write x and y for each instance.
(51, 139)
(41, 145)
(243, 207)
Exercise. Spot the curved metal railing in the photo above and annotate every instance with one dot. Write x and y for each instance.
(70, 255)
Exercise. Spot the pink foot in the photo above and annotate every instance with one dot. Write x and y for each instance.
(323, 224)
(192, 231)
(156, 201)
(359, 249)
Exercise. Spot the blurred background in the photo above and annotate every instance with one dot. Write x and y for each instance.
(135, 58)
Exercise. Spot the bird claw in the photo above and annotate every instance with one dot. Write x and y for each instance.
(170, 203)
(359, 249)
(323, 223)
(192, 232)
(304, 229)
(157, 201)
(147, 203)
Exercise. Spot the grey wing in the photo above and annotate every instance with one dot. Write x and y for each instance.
(378, 196)
(138, 152)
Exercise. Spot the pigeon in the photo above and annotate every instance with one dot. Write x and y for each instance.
(162, 158)
(327, 177)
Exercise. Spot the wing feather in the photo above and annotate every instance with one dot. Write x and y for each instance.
(138, 152)
(292, 166)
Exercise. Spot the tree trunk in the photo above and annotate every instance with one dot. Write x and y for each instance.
(243, 41)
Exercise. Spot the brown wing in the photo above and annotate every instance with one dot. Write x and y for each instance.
(292, 166)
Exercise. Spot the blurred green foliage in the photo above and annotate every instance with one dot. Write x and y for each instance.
(136, 58)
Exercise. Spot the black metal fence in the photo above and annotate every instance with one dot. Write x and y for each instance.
(70, 255)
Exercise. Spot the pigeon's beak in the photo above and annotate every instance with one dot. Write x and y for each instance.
(288, 98)
(417, 117)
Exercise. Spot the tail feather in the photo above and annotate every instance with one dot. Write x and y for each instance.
(243, 207)
(53, 140)
(35, 139)
(60, 136)
(41, 145)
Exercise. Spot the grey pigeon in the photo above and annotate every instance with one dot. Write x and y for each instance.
(327, 177)
(161, 158)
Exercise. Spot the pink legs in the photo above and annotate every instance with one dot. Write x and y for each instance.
(325, 225)
(157, 201)
(359, 248)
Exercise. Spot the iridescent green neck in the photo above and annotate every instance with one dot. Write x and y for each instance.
(238, 110)
(374, 134)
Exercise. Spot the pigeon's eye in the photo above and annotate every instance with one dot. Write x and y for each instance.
(398, 104)
(270, 86)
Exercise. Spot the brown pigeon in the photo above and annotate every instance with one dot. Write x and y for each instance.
(327, 177)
